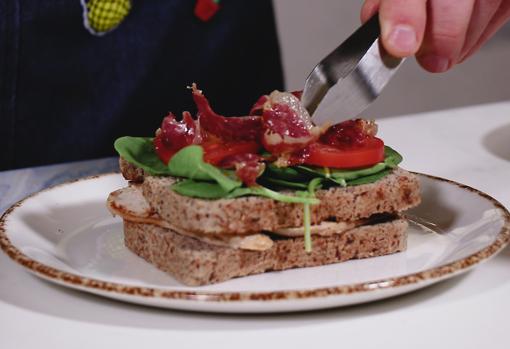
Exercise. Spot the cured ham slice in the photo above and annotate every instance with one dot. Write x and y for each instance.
(350, 134)
(248, 166)
(174, 135)
(236, 128)
(286, 124)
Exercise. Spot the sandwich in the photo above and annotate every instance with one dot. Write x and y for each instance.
(211, 198)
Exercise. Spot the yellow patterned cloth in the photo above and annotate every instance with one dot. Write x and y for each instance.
(101, 16)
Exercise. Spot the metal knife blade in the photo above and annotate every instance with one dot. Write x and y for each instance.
(350, 78)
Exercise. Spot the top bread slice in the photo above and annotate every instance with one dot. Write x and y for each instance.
(396, 192)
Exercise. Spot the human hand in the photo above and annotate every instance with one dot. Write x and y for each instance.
(441, 33)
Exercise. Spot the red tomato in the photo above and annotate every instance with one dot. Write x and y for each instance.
(215, 152)
(163, 152)
(327, 156)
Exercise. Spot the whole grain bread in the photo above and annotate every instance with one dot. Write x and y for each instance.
(129, 204)
(130, 171)
(395, 192)
(194, 262)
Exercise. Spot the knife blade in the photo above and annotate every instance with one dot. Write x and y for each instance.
(350, 78)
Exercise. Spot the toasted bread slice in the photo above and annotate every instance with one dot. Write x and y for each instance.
(396, 192)
(195, 262)
(188, 237)
(130, 204)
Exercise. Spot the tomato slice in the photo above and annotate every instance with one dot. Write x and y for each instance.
(214, 153)
(324, 155)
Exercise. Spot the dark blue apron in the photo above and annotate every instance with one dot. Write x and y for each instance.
(66, 94)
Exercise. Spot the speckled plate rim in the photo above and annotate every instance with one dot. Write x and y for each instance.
(427, 276)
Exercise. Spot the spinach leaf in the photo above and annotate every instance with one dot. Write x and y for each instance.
(391, 157)
(209, 190)
(262, 191)
(199, 189)
(281, 183)
(353, 174)
(139, 151)
(312, 171)
(290, 174)
(189, 163)
(290, 177)
(337, 174)
(337, 181)
(369, 179)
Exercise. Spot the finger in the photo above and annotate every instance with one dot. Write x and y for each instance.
(447, 25)
(483, 12)
(370, 7)
(500, 18)
(402, 25)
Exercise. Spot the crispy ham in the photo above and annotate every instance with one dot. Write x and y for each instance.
(286, 124)
(235, 128)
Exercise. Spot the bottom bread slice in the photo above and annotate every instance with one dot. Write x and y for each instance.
(194, 262)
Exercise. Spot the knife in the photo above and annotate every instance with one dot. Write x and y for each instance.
(351, 77)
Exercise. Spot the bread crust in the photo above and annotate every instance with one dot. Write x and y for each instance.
(194, 262)
(130, 171)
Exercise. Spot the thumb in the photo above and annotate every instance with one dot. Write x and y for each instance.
(402, 25)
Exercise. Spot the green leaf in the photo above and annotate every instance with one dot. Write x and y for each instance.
(189, 163)
(314, 185)
(139, 151)
(209, 190)
(311, 171)
(353, 174)
(199, 189)
(262, 191)
(391, 157)
(340, 176)
(308, 228)
(281, 183)
(290, 174)
(337, 181)
(369, 179)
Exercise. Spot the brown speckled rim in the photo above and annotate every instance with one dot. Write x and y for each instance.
(98, 286)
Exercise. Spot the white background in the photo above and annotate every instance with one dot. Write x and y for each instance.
(310, 29)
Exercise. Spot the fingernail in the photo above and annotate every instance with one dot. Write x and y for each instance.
(403, 38)
(435, 63)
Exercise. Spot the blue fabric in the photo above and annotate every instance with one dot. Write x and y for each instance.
(66, 94)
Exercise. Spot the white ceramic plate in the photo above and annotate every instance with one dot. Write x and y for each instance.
(65, 235)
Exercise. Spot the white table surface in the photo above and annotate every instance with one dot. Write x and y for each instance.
(469, 145)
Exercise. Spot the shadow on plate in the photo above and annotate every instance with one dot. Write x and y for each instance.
(498, 142)
(433, 212)
(75, 305)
